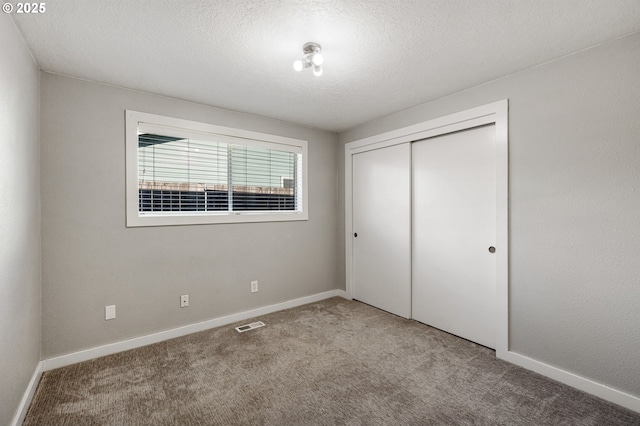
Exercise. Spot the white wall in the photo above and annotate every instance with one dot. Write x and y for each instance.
(19, 219)
(574, 173)
(90, 259)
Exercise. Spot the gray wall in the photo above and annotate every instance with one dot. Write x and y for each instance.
(19, 218)
(574, 174)
(90, 259)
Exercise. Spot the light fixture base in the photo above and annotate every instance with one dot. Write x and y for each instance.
(311, 47)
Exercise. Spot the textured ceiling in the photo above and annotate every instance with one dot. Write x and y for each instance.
(381, 56)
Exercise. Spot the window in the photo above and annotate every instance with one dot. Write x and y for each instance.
(182, 172)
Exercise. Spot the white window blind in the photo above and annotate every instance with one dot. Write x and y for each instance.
(187, 172)
(262, 179)
(181, 175)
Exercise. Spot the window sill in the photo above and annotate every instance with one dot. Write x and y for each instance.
(164, 219)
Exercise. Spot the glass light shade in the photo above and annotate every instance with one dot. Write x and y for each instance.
(317, 71)
(297, 65)
(317, 59)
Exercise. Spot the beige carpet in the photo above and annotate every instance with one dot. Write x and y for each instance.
(335, 362)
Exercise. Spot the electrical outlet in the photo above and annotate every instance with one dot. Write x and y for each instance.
(109, 312)
(184, 300)
(254, 286)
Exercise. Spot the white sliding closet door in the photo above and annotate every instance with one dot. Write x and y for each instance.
(454, 231)
(381, 240)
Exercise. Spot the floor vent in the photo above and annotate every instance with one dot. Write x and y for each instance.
(251, 326)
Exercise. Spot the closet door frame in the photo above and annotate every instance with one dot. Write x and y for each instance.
(494, 113)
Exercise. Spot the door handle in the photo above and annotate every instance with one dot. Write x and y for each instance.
(492, 249)
(355, 235)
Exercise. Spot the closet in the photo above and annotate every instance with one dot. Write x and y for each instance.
(423, 227)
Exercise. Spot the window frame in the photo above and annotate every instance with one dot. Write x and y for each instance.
(188, 128)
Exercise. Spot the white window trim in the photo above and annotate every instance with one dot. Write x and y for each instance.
(134, 219)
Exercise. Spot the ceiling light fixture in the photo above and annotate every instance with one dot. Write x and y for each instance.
(311, 58)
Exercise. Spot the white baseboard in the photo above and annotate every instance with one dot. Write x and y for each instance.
(112, 348)
(21, 412)
(602, 391)
(598, 389)
(343, 294)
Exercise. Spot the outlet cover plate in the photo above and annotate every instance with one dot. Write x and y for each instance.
(109, 312)
(184, 300)
(254, 286)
